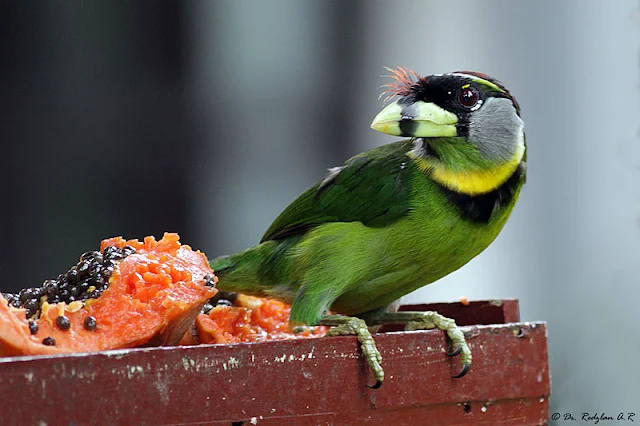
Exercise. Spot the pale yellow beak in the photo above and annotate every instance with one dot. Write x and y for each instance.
(417, 120)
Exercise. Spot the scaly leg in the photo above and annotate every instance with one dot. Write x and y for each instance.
(350, 326)
(426, 321)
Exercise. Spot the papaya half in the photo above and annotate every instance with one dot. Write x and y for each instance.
(128, 294)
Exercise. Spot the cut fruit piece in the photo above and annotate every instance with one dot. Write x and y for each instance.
(129, 294)
(253, 319)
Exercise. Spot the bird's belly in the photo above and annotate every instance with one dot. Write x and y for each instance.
(407, 256)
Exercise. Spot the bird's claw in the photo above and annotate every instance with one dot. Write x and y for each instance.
(465, 370)
(455, 352)
(465, 367)
(343, 326)
(430, 320)
(376, 386)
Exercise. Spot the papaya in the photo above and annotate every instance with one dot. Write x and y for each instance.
(241, 318)
(127, 294)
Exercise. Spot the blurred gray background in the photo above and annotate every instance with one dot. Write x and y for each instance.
(209, 117)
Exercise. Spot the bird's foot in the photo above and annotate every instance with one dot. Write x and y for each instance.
(429, 320)
(350, 326)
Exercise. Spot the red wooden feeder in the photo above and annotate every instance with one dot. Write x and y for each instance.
(301, 382)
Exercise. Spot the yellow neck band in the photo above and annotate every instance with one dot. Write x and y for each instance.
(471, 182)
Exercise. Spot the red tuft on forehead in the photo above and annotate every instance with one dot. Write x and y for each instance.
(403, 78)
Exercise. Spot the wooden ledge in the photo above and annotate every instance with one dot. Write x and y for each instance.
(306, 381)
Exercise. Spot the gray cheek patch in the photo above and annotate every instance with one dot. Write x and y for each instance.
(496, 130)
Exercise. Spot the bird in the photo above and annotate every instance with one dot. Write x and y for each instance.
(395, 218)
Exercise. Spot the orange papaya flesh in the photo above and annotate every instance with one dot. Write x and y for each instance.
(252, 319)
(151, 297)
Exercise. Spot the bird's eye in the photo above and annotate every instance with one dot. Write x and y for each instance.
(468, 97)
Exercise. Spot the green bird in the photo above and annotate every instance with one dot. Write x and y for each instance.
(397, 217)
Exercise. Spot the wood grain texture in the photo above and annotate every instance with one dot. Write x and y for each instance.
(302, 382)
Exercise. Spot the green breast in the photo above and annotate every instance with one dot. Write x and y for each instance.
(441, 233)
(451, 229)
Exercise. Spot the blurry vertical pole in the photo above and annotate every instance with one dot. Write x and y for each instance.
(91, 93)
(269, 102)
(603, 192)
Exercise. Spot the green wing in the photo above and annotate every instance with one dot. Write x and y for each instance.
(372, 188)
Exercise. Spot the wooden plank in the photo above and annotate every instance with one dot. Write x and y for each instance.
(503, 413)
(307, 381)
(475, 313)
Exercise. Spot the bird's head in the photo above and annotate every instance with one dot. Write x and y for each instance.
(464, 106)
(467, 128)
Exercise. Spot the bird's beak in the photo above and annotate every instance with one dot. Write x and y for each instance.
(415, 119)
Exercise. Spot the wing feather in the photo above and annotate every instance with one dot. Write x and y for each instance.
(372, 188)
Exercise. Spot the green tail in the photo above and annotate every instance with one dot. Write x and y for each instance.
(263, 270)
